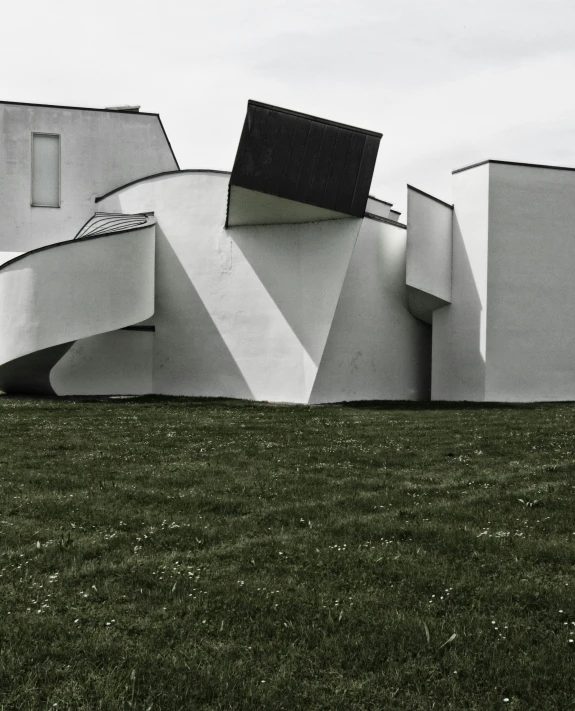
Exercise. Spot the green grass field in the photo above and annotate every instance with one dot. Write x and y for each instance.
(180, 554)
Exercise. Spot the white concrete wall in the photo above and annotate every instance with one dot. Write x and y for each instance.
(246, 312)
(375, 350)
(74, 291)
(242, 312)
(100, 150)
(378, 207)
(429, 245)
(116, 363)
(531, 284)
(459, 330)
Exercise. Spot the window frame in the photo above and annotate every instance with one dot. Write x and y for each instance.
(59, 137)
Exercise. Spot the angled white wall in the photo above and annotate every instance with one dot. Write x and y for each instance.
(249, 207)
(99, 151)
(429, 248)
(250, 311)
(459, 329)
(244, 311)
(375, 350)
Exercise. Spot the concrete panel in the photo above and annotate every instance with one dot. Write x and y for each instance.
(459, 330)
(429, 247)
(375, 349)
(531, 289)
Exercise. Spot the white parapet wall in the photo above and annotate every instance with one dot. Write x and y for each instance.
(429, 248)
(275, 312)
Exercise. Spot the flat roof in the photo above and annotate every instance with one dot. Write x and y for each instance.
(511, 162)
(79, 108)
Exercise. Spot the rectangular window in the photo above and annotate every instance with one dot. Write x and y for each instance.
(45, 170)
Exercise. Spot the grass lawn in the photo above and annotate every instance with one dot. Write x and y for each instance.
(181, 554)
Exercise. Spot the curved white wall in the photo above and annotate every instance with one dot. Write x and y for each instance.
(118, 363)
(247, 311)
(72, 291)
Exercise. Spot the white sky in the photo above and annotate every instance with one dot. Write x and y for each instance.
(448, 82)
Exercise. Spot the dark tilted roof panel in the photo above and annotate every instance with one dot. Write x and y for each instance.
(304, 158)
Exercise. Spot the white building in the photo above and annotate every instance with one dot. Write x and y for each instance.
(282, 280)
(496, 274)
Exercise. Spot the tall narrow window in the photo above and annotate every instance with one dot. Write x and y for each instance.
(45, 170)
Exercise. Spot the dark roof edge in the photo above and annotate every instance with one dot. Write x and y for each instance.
(157, 175)
(71, 241)
(371, 197)
(431, 197)
(511, 162)
(377, 218)
(315, 118)
(168, 142)
(79, 108)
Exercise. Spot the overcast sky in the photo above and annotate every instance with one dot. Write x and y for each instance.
(448, 82)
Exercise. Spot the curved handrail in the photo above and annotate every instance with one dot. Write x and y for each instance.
(104, 222)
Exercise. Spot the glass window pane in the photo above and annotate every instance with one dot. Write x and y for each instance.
(45, 170)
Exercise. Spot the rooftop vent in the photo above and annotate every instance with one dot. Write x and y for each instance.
(130, 109)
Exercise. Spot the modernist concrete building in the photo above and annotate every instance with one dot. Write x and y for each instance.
(283, 280)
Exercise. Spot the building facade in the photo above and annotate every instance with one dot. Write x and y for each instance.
(283, 280)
